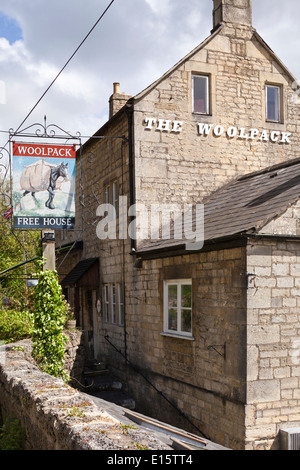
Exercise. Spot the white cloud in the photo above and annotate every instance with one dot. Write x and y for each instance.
(159, 7)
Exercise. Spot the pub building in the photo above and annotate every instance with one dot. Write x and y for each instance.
(213, 322)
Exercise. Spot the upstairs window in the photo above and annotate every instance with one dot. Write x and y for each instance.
(273, 103)
(178, 307)
(201, 103)
(112, 196)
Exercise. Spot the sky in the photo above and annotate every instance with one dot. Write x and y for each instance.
(135, 43)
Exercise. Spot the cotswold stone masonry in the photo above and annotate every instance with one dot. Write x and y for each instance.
(237, 378)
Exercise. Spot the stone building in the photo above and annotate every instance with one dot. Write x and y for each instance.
(206, 334)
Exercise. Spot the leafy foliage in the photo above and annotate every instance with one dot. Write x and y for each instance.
(49, 316)
(12, 436)
(15, 247)
(15, 325)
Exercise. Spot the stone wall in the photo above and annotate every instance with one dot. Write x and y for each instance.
(56, 416)
(273, 341)
(204, 377)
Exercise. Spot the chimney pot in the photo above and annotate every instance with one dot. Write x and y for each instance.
(116, 88)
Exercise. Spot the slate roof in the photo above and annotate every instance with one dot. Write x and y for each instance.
(78, 271)
(246, 204)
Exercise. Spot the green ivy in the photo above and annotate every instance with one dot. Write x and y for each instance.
(49, 316)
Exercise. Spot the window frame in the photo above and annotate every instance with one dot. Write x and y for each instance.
(113, 303)
(207, 77)
(106, 303)
(279, 104)
(120, 304)
(178, 332)
(111, 192)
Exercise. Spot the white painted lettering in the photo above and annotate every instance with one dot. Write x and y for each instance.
(242, 134)
(177, 126)
(232, 132)
(218, 131)
(204, 128)
(253, 133)
(150, 123)
(163, 125)
(274, 136)
(285, 138)
(264, 136)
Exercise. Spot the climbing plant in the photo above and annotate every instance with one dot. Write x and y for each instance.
(49, 315)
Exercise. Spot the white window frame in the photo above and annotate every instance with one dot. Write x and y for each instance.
(207, 97)
(178, 332)
(112, 196)
(121, 304)
(106, 303)
(114, 303)
(278, 118)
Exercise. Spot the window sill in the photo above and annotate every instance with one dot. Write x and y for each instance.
(178, 336)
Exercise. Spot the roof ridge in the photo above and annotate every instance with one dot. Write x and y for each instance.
(269, 169)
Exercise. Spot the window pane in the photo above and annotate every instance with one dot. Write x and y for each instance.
(201, 95)
(172, 296)
(172, 319)
(107, 195)
(186, 296)
(106, 303)
(115, 200)
(186, 320)
(114, 304)
(273, 103)
(121, 305)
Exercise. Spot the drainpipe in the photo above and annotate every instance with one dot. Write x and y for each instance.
(129, 111)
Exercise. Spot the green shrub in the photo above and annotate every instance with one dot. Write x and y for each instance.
(15, 325)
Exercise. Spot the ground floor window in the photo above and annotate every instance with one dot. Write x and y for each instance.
(178, 307)
(113, 303)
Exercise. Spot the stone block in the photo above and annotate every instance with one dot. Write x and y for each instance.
(263, 391)
(259, 298)
(267, 334)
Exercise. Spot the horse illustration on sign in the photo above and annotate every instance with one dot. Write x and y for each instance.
(43, 176)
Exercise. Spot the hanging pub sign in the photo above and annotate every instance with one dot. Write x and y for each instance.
(43, 186)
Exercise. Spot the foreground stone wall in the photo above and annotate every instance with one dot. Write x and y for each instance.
(55, 416)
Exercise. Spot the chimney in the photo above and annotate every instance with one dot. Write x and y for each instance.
(232, 11)
(117, 100)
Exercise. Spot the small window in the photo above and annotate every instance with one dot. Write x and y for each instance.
(273, 103)
(201, 103)
(178, 307)
(112, 196)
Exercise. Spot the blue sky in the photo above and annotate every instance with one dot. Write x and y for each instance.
(135, 43)
(9, 28)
